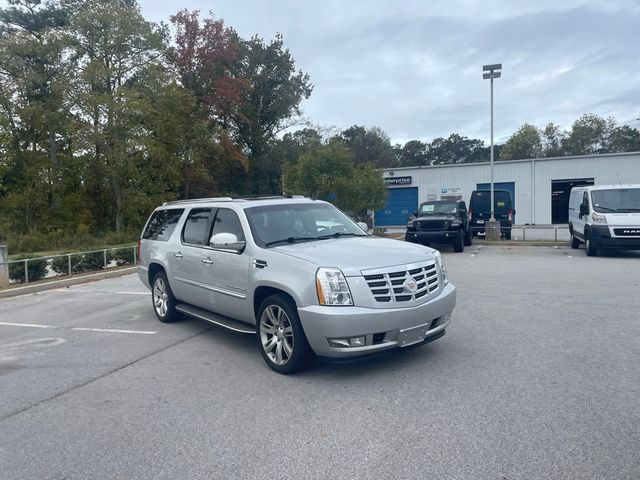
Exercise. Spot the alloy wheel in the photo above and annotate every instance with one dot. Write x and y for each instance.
(276, 334)
(160, 297)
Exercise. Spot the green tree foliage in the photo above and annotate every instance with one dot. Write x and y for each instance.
(553, 139)
(589, 135)
(456, 149)
(369, 145)
(329, 172)
(270, 104)
(526, 142)
(413, 153)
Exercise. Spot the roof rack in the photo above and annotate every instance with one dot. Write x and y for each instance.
(199, 200)
(265, 197)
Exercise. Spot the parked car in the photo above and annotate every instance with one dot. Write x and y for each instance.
(480, 210)
(296, 272)
(440, 221)
(606, 216)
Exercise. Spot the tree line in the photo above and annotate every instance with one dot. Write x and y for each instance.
(104, 115)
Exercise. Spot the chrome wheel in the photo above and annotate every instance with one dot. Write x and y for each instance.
(276, 334)
(160, 297)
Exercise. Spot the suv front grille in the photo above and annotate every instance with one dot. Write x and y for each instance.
(388, 286)
(431, 224)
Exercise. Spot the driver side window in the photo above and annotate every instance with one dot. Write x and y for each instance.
(227, 221)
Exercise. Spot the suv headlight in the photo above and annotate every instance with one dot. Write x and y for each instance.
(441, 266)
(332, 287)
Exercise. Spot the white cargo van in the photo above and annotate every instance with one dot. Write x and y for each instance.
(606, 216)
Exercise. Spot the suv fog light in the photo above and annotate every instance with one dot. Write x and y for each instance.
(347, 342)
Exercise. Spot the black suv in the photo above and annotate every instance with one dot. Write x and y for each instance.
(443, 221)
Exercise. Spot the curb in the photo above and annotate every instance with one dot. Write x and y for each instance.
(523, 243)
(76, 280)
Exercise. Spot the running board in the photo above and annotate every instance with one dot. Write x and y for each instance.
(221, 321)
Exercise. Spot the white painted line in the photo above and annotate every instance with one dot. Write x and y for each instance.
(78, 290)
(79, 329)
(112, 330)
(29, 325)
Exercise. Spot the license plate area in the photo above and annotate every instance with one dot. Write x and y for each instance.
(481, 222)
(411, 336)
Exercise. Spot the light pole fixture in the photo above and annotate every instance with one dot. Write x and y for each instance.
(489, 72)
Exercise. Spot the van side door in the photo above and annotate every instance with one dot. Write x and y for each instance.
(581, 220)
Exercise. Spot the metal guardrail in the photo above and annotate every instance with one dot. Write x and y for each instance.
(108, 256)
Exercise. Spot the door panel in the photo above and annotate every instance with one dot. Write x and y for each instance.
(401, 203)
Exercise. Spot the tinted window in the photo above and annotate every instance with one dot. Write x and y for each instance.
(227, 222)
(195, 227)
(438, 208)
(162, 224)
(480, 201)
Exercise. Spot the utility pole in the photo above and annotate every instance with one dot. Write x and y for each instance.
(489, 73)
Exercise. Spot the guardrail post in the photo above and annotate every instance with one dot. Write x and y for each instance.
(4, 266)
(104, 253)
(135, 254)
(524, 235)
(556, 229)
(26, 271)
(69, 263)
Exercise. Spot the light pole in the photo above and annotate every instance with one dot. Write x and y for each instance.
(489, 73)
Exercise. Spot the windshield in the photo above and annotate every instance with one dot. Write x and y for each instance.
(438, 209)
(618, 200)
(302, 222)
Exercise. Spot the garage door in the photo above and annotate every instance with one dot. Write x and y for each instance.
(508, 186)
(401, 203)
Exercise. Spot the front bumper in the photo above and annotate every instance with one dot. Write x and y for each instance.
(428, 237)
(383, 325)
(602, 238)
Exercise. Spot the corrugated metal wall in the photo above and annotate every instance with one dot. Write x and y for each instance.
(529, 176)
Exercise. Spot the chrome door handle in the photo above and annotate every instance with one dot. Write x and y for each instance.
(178, 255)
(207, 261)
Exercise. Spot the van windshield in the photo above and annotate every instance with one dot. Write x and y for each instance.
(616, 200)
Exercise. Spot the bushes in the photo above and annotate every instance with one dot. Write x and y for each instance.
(122, 256)
(79, 263)
(37, 270)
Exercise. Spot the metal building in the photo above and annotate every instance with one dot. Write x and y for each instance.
(540, 187)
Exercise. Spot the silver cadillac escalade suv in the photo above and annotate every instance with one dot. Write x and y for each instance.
(296, 272)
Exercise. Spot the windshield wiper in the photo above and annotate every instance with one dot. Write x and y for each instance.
(627, 210)
(293, 240)
(605, 208)
(342, 234)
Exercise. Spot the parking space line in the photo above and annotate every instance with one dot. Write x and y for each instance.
(113, 330)
(28, 325)
(79, 329)
(77, 290)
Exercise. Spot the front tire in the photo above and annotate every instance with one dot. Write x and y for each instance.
(590, 246)
(458, 243)
(575, 243)
(164, 303)
(468, 238)
(507, 235)
(281, 339)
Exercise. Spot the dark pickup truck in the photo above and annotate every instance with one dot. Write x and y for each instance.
(443, 221)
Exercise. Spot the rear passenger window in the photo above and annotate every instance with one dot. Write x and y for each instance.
(195, 226)
(162, 224)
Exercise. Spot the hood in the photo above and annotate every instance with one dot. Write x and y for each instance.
(622, 219)
(353, 254)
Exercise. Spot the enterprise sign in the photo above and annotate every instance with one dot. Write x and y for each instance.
(397, 180)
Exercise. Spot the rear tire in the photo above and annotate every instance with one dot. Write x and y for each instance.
(458, 243)
(590, 246)
(164, 303)
(507, 235)
(468, 238)
(575, 243)
(281, 339)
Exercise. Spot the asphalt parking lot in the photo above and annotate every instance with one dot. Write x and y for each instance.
(538, 377)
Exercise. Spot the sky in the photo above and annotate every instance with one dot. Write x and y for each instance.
(414, 67)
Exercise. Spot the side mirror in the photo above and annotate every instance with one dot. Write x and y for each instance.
(584, 209)
(363, 226)
(227, 242)
(414, 214)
